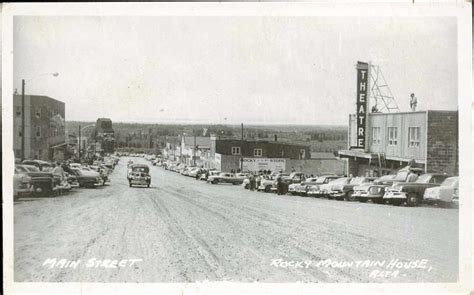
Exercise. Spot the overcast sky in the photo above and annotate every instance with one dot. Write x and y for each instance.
(295, 70)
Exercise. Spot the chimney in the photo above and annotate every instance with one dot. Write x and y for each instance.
(276, 137)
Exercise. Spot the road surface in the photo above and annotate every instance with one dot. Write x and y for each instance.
(184, 230)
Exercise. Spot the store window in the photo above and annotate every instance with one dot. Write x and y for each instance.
(38, 131)
(376, 135)
(392, 136)
(257, 152)
(414, 136)
(236, 150)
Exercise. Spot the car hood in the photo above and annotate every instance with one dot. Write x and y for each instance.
(363, 187)
(90, 173)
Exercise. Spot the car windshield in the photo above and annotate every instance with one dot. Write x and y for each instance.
(357, 180)
(339, 181)
(401, 176)
(21, 169)
(32, 168)
(423, 179)
(449, 181)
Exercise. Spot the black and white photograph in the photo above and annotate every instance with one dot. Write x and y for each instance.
(224, 144)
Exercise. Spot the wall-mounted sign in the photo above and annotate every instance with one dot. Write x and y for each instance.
(257, 164)
(362, 89)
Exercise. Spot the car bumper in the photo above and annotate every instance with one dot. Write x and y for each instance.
(395, 195)
(140, 181)
(336, 194)
(24, 192)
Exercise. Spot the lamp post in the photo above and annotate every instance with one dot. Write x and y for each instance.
(23, 82)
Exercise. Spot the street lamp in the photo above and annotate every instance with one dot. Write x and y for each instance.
(55, 74)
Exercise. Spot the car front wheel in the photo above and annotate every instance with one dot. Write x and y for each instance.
(413, 200)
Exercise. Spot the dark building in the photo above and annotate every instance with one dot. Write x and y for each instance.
(429, 138)
(104, 135)
(251, 155)
(261, 149)
(45, 136)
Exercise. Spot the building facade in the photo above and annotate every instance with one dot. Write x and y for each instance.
(253, 155)
(194, 149)
(392, 140)
(45, 132)
(104, 135)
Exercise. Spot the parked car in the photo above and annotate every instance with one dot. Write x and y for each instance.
(38, 163)
(373, 191)
(317, 188)
(344, 191)
(269, 184)
(87, 178)
(140, 175)
(22, 184)
(44, 183)
(225, 177)
(412, 192)
(445, 194)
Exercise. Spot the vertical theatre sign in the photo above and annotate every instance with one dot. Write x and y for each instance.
(361, 117)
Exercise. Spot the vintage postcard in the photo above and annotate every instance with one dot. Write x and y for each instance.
(236, 147)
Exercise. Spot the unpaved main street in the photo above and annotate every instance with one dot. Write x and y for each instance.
(185, 230)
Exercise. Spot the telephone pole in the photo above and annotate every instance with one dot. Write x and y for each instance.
(242, 148)
(79, 143)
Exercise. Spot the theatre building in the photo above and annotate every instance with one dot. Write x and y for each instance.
(389, 141)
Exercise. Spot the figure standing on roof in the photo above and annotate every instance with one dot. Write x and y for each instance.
(413, 102)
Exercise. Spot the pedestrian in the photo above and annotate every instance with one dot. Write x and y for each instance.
(252, 182)
(259, 180)
(412, 177)
(279, 185)
(413, 102)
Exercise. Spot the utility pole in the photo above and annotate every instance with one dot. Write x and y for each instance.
(79, 143)
(194, 151)
(22, 119)
(242, 148)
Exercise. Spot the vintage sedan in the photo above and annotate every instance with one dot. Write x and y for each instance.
(225, 177)
(373, 191)
(345, 191)
(87, 178)
(22, 184)
(412, 192)
(140, 175)
(44, 183)
(315, 189)
(41, 165)
(445, 194)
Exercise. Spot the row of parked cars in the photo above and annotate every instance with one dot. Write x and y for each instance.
(410, 185)
(37, 178)
(396, 189)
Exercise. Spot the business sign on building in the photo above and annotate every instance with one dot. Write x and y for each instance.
(257, 164)
(362, 103)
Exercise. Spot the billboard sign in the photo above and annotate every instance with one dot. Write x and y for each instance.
(362, 103)
(257, 164)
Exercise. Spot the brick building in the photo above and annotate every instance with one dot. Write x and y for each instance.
(45, 134)
(430, 138)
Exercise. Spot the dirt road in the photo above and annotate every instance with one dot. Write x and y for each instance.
(184, 230)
